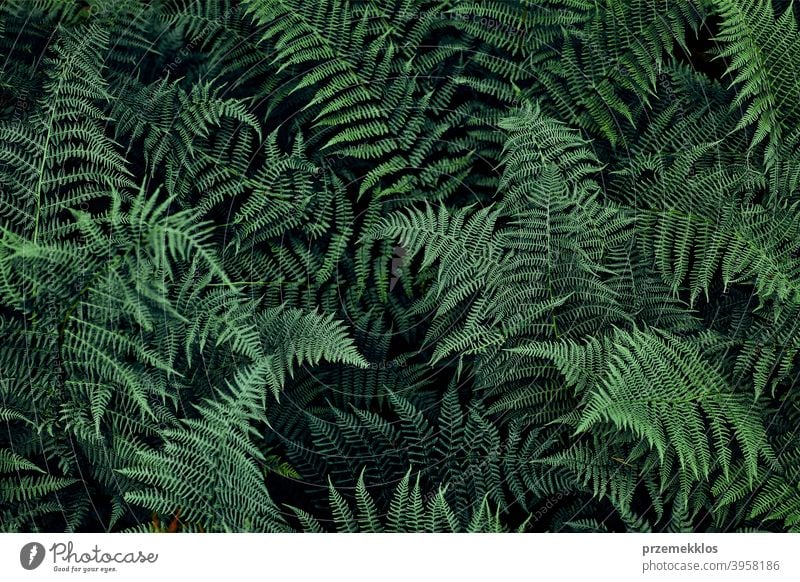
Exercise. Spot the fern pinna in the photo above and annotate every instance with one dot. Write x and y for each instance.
(399, 265)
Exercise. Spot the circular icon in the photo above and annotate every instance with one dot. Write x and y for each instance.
(31, 555)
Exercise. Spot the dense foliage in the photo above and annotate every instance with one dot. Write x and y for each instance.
(399, 265)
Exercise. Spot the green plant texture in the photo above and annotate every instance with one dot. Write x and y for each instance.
(399, 265)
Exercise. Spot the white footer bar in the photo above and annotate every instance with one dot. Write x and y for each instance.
(356, 557)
